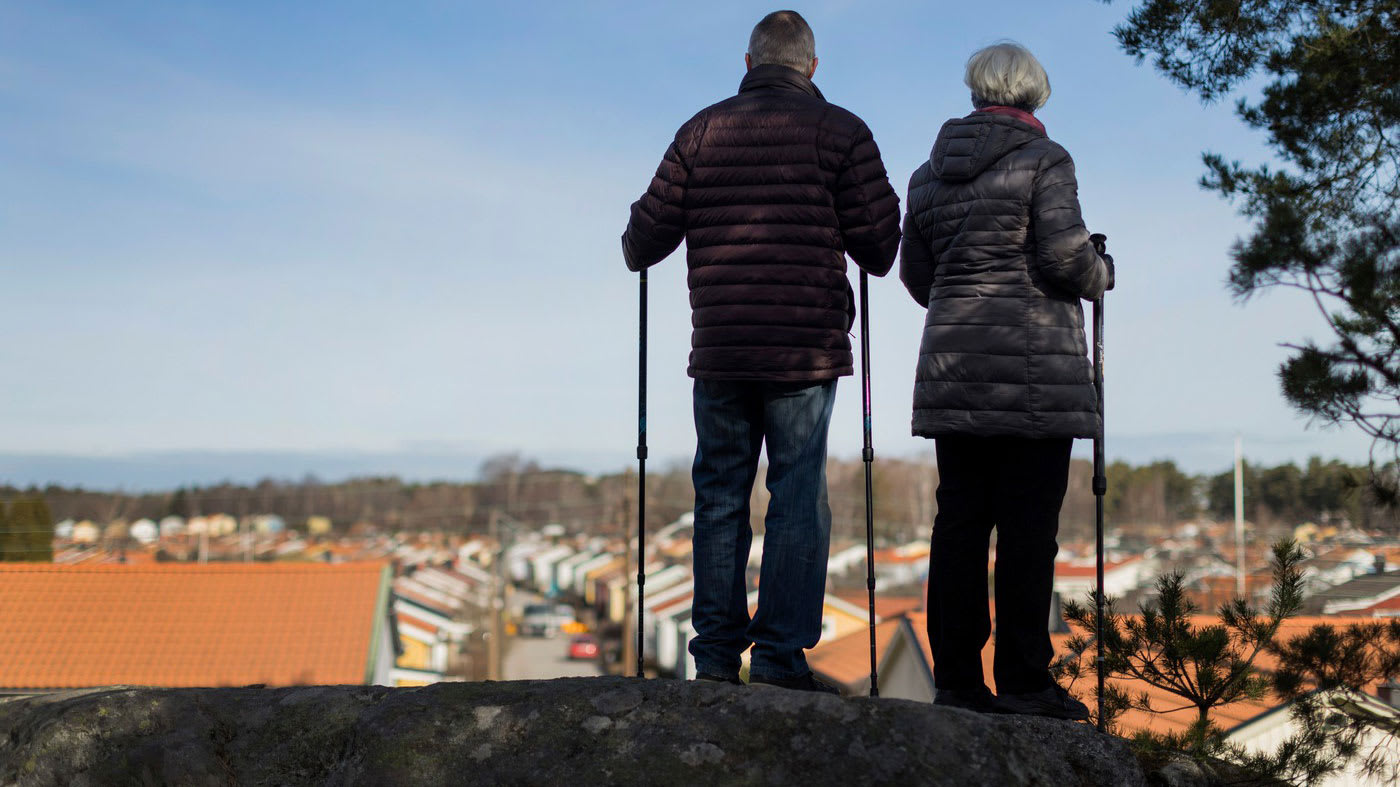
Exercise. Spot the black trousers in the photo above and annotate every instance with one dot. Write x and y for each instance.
(1017, 486)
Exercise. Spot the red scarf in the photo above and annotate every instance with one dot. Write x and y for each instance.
(1019, 114)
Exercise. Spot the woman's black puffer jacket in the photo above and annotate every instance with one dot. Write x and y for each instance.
(995, 248)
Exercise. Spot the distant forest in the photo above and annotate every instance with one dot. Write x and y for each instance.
(517, 487)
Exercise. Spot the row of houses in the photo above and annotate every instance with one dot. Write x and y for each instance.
(387, 611)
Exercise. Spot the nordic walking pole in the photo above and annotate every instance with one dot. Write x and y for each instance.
(868, 454)
(1100, 484)
(641, 467)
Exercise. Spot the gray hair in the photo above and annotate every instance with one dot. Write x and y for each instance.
(1007, 74)
(783, 38)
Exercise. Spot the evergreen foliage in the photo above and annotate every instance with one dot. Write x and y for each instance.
(1322, 673)
(1326, 219)
(26, 530)
(1206, 665)
(1321, 491)
(1155, 492)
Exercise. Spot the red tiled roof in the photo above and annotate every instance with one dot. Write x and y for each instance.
(1065, 569)
(182, 624)
(432, 603)
(1380, 609)
(406, 619)
(674, 603)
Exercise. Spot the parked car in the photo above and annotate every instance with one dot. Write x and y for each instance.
(583, 646)
(545, 620)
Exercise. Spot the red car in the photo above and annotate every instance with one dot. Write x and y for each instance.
(583, 646)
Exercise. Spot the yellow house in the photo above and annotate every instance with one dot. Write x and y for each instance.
(840, 618)
(590, 591)
(423, 658)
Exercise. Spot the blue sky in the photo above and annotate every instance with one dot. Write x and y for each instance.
(382, 237)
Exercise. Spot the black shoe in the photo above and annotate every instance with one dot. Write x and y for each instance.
(1054, 702)
(979, 699)
(718, 678)
(806, 682)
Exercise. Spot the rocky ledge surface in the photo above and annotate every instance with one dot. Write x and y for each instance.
(566, 731)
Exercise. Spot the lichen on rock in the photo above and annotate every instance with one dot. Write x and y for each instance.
(571, 730)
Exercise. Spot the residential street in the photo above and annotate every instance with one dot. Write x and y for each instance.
(529, 658)
(538, 657)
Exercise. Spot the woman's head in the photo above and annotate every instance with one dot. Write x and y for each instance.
(1006, 74)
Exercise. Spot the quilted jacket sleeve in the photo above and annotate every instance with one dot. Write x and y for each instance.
(866, 206)
(657, 225)
(916, 263)
(1063, 252)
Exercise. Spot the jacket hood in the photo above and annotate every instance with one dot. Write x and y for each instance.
(770, 75)
(967, 146)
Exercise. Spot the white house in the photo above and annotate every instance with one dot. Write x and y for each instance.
(1075, 579)
(565, 569)
(677, 630)
(666, 578)
(145, 531)
(581, 571)
(905, 669)
(653, 604)
(846, 560)
(455, 631)
(470, 589)
(1265, 732)
(670, 641)
(544, 564)
(473, 571)
(86, 532)
(1335, 568)
(420, 635)
(172, 526)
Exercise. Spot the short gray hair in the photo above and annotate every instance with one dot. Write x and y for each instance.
(1007, 74)
(783, 38)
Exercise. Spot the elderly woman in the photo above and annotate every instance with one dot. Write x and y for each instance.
(995, 249)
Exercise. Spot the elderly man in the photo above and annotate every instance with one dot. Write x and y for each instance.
(770, 189)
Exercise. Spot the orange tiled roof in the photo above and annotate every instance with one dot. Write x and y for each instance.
(900, 556)
(1169, 715)
(847, 660)
(182, 624)
(885, 606)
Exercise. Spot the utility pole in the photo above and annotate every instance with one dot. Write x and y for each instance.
(493, 653)
(1239, 516)
(629, 653)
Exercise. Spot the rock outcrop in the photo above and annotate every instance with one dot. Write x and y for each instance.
(567, 731)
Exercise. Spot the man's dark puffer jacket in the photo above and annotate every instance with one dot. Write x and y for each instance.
(770, 189)
(995, 248)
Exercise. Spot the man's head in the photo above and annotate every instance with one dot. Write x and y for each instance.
(783, 38)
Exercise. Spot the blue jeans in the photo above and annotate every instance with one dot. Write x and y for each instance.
(733, 420)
